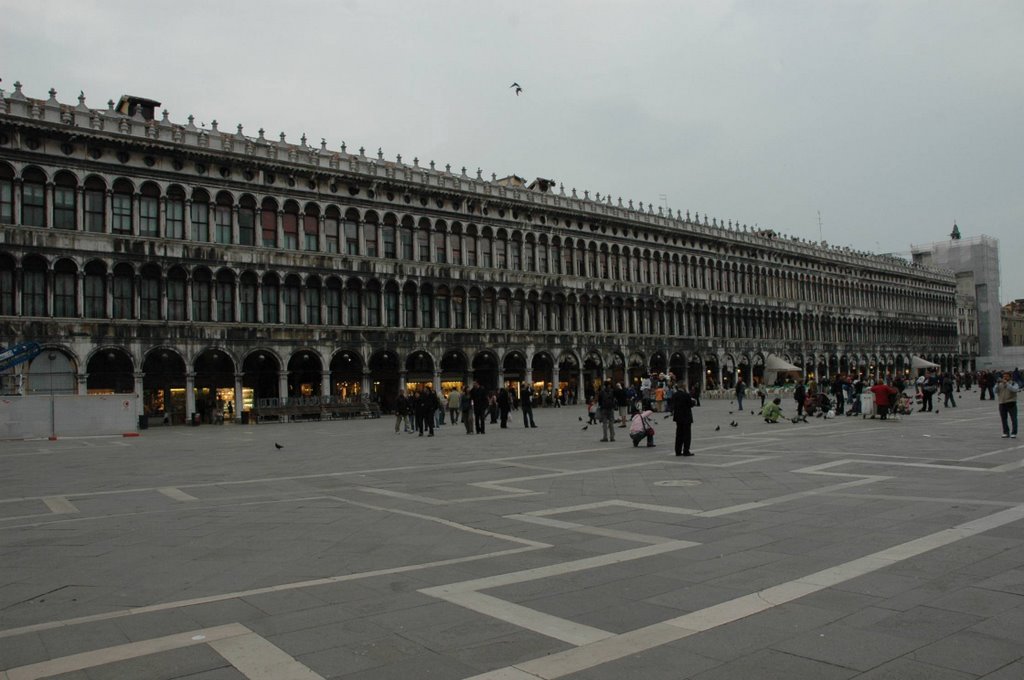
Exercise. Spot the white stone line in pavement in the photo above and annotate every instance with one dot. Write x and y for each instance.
(926, 499)
(132, 650)
(529, 619)
(594, 531)
(401, 495)
(559, 569)
(620, 646)
(177, 494)
(611, 503)
(992, 453)
(258, 659)
(1016, 465)
(59, 505)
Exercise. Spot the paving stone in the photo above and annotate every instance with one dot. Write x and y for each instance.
(775, 665)
(848, 647)
(970, 652)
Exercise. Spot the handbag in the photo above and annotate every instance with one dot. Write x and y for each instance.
(648, 430)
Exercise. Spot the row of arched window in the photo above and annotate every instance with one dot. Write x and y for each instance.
(31, 288)
(119, 208)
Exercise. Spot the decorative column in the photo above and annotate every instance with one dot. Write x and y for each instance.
(81, 384)
(401, 382)
(190, 394)
(554, 380)
(139, 406)
(366, 384)
(437, 381)
(80, 208)
(49, 205)
(239, 397)
(325, 384)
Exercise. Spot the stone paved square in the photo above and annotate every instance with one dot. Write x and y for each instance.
(842, 548)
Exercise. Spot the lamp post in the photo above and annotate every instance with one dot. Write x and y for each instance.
(52, 356)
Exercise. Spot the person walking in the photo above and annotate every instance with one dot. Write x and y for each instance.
(1006, 393)
(526, 401)
(426, 407)
(606, 408)
(948, 400)
(401, 412)
(799, 394)
(682, 414)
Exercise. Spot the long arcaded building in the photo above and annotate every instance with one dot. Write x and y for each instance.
(207, 269)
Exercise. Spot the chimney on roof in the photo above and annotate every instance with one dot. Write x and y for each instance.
(129, 105)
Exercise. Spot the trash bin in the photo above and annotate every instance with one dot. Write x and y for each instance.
(245, 417)
(143, 422)
(196, 419)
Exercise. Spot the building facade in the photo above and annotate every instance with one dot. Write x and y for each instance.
(209, 270)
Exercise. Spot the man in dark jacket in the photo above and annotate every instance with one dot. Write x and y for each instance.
(526, 402)
(426, 406)
(682, 413)
(479, 396)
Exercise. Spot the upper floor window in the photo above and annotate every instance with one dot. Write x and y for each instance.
(124, 293)
(222, 219)
(268, 223)
(331, 236)
(290, 227)
(200, 217)
(65, 289)
(176, 295)
(370, 239)
(202, 290)
(149, 208)
(388, 238)
(311, 232)
(351, 238)
(175, 208)
(33, 199)
(292, 299)
(247, 221)
(33, 293)
(6, 196)
(64, 202)
(121, 208)
(95, 292)
(95, 205)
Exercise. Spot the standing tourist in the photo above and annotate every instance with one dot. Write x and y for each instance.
(454, 405)
(883, 397)
(504, 406)
(526, 399)
(741, 391)
(479, 396)
(606, 409)
(682, 413)
(466, 409)
(1006, 393)
(799, 394)
(401, 411)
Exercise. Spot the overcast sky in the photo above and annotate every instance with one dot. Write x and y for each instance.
(889, 119)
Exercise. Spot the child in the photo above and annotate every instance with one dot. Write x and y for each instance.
(592, 411)
(642, 425)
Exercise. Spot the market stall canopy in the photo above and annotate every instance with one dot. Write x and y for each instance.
(775, 363)
(918, 362)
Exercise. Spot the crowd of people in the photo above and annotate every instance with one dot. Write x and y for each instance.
(423, 411)
(617, 406)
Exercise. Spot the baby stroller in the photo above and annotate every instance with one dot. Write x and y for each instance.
(903, 405)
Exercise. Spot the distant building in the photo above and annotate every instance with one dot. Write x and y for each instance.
(1013, 324)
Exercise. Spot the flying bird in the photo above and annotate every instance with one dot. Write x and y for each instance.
(518, 88)
(277, 446)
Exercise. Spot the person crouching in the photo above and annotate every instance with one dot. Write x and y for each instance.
(772, 411)
(642, 425)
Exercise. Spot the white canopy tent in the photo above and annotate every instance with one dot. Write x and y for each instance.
(774, 365)
(917, 362)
